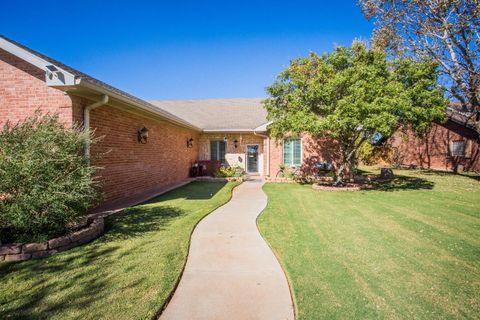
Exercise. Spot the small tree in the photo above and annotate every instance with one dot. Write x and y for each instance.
(353, 95)
(45, 182)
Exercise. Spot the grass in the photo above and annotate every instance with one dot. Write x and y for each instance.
(409, 249)
(128, 273)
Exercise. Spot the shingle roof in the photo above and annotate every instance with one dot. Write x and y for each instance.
(218, 114)
(462, 117)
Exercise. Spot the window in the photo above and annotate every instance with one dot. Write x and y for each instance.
(292, 152)
(217, 150)
(458, 148)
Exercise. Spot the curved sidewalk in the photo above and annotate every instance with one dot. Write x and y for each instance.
(231, 273)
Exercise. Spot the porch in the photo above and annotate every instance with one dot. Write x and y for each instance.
(245, 150)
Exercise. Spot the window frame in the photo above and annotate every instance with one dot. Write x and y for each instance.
(464, 149)
(217, 144)
(293, 152)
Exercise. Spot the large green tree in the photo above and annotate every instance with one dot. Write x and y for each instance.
(353, 95)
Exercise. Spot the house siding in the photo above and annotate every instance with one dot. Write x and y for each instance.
(23, 91)
(432, 150)
(126, 167)
(233, 156)
(313, 151)
(130, 167)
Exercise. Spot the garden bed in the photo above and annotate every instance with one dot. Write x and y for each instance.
(26, 251)
(344, 187)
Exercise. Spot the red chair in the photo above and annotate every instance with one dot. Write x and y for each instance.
(208, 167)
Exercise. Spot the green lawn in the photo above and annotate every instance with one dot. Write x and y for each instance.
(128, 273)
(408, 250)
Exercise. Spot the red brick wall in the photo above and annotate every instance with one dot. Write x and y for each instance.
(234, 156)
(313, 151)
(432, 151)
(23, 90)
(129, 168)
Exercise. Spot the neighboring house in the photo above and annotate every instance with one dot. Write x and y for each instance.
(180, 132)
(453, 145)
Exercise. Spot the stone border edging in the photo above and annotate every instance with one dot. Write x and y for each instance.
(320, 187)
(26, 251)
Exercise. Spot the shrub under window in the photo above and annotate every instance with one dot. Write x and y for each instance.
(45, 182)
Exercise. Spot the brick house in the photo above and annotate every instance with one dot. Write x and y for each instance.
(180, 132)
(453, 145)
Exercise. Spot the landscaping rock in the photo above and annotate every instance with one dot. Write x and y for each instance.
(34, 247)
(40, 254)
(66, 247)
(360, 178)
(17, 257)
(11, 248)
(386, 174)
(18, 252)
(58, 242)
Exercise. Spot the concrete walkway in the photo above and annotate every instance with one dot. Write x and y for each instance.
(231, 273)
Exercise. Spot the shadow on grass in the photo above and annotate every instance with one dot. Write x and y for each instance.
(401, 182)
(195, 191)
(471, 175)
(83, 287)
(139, 220)
(71, 281)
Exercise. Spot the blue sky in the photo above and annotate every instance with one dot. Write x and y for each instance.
(183, 49)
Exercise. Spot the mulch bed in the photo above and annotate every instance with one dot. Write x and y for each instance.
(345, 187)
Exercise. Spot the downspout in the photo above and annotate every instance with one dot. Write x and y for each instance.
(268, 150)
(86, 121)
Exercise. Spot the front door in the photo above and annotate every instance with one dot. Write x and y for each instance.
(252, 158)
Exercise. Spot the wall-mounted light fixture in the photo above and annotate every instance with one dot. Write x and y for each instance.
(225, 138)
(235, 143)
(190, 143)
(142, 135)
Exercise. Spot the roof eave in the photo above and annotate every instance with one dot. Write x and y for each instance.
(54, 75)
(228, 130)
(150, 109)
(59, 78)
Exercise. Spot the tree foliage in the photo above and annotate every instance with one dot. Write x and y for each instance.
(445, 31)
(352, 95)
(45, 182)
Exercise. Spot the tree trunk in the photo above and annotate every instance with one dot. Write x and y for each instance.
(344, 171)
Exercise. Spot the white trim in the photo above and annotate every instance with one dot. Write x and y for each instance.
(301, 152)
(263, 127)
(54, 75)
(228, 130)
(160, 112)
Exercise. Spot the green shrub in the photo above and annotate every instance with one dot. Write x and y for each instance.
(223, 171)
(331, 174)
(45, 182)
(289, 174)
